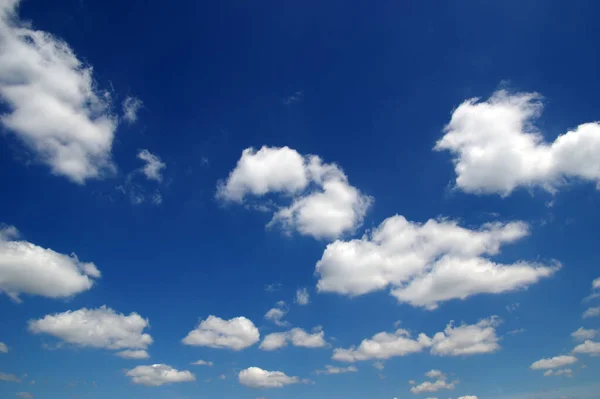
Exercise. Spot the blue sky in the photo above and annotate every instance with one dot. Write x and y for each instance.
(340, 200)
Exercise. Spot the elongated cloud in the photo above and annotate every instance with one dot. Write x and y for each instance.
(552, 363)
(159, 374)
(255, 377)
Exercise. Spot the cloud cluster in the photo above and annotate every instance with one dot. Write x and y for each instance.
(26, 268)
(496, 148)
(297, 337)
(236, 334)
(323, 203)
(53, 105)
(433, 386)
(158, 374)
(566, 372)
(255, 377)
(425, 264)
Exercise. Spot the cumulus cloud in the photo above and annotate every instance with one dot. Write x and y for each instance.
(277, 313)
(133, 354)
(425, 264)
(236, 334)
(26, 268)
(154, 166)
(158, 374)
(432, 386)
(202, 363)
(3, 348)
(329, 369)
(297, 337)
(96, 328)
(131, 107)
(52, 104)
(588, 347)
(583, 334)
(302, 296)
(553, 363)
(592, 312)
(596, 284)
(435, 374)
(496, 148)
(566, 372)
(322, 203)
(255, 377)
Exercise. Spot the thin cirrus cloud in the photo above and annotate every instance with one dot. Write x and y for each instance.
(297, 337)
(159, 374)
(255, 377)
(319, 200)
(29, 269)
(426, 264)
(497, 149)
(54, 108)
(235, 334)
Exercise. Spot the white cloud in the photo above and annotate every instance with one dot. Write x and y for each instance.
(26, 268)
(154, 166)
(496, 148)
(467, 339)
(131, 107)
(337, 370)
(237, 333)
(596, 283)
(589, 348)
(553, 363)
(133, 354)
(583, 334)
(202, 363)
(297, 337)
(567, 372)
(255, 377)
(516, 331)
(3, 348)
(468, 397)
(158, 374)
(591, 312)
(302, 296)
(9, 377)
(379, 365)
(53, 106)
(429, 263)
(323, 203)
(435, 374)
(277, 313)
(434, 386)
(95, 328)
(25, 395)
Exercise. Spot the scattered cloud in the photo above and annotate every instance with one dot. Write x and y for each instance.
(553, 363)
(131, 107)
(596, 284)
(25, 395)
(468, 397)
(154, 166)
(3, 348)
(202, 363)
(298, 96)
(96, 328)
(222, 377)
(337, 370)
(588, 347)
(52, 104)
(277, 313)
(513, 307)
(133, 354)
(9, 377)
(583, 334)
(496, 148)
(566, 372)
(255, 377)
(158, 374)
(591, 312)
(236, 334)
(379, 365)
(26, 268)
(273, 287)
(302, 296)
(425, 264)
(323, 203)
(297, 337)
(435, 374)
(433, 386)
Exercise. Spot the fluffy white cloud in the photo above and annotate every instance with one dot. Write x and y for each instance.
(426, 264)
(158, 374)
(567, 372)
(203, 363)
(467, 339)
(435, 374)
(3, 348)
(302, 296)
(496, 148)
(237, 333)
(323, 203)
(26, 268)
(329, 369)
(154, 166)
(9, 377)
(596, 283)
(131, 107)
(553, 363)
(583, 334)
(277, 313)
(53, 106)
(429, 386)
(297, 337)
(589, 348)
(591, 312)
(255, 377)
(133, 354)
(95, 328)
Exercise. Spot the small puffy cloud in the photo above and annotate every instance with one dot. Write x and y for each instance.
(426, 264)
(588, 348)
(236, 334)
(320, 201)
(158, 374)
(337, 370)
(95, 328)
(277, 313)
(467, 339)
(553, 363)
(591, 312)
(255, 377)
(9, 377)
(202, 363)
(274, 341)
(26, 268)
(297, 337)
(52, 104)
(131, 107)
(302, 296)
(566, 372)
(25, 395)
(583, 334)
(435, 374)
(496, 148)
(3, 348)
(133, 354)
(154, 166)
(596, 284)
(429, 386)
